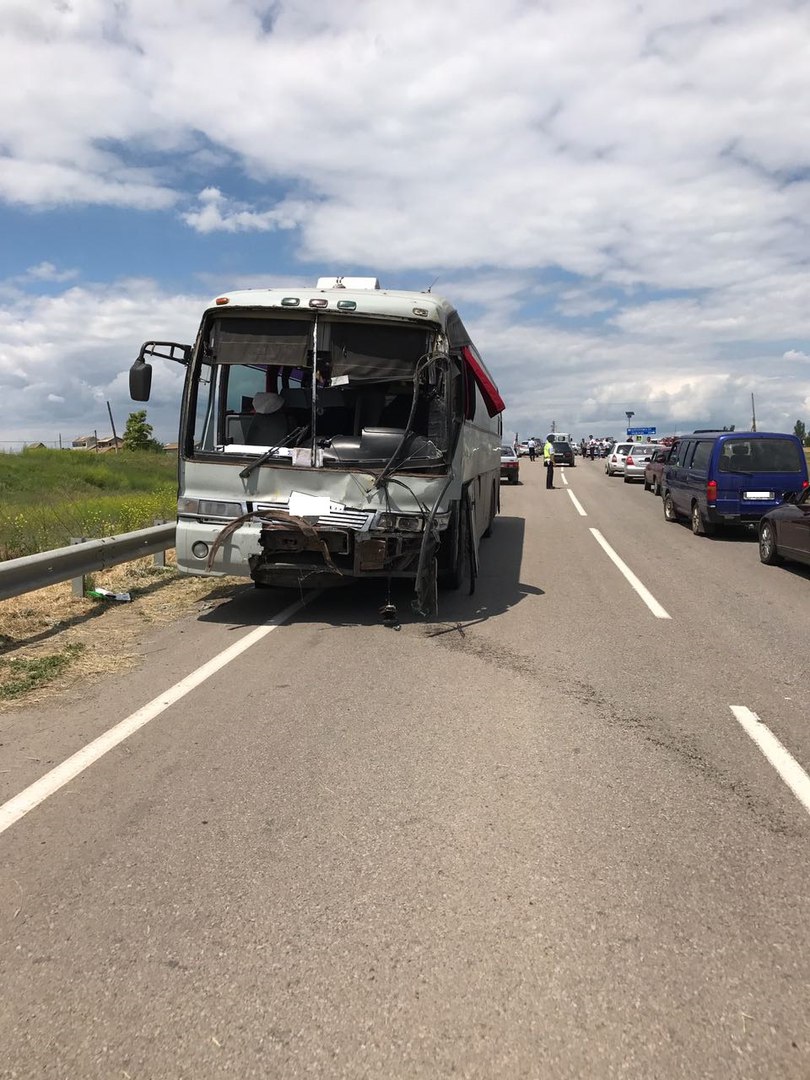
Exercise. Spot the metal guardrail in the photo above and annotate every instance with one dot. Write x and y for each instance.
(32, 572)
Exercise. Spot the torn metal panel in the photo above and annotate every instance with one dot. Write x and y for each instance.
(277, 517)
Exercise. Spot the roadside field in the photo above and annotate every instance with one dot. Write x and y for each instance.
(49, 496)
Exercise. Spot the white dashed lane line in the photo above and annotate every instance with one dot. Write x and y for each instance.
(641, 589)
(580, 508)
(40, 790)
(782, 760)
(630, 577)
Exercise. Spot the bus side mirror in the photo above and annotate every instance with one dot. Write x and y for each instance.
(140, 380)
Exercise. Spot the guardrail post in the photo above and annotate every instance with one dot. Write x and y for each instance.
(160, 556)
(78, 582)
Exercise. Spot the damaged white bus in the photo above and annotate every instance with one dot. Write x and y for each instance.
(331, 434)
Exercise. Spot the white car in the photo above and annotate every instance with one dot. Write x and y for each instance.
(636, 461)
(614, 462)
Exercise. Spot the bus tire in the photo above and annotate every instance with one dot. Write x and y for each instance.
(461, 569)
(493, 510)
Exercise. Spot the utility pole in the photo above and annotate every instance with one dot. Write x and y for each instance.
(753, 415)
(112, 425)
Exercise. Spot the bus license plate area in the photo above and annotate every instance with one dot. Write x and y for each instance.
(276, 540)
(372, 555)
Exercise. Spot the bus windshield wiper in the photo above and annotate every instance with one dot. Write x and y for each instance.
(295, 434)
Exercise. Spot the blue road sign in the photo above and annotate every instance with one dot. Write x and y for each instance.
(641, 431)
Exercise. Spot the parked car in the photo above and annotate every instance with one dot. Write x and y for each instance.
(725, 478)
(564, 454)
(614, 462)
(523, 449)
(654, 468)
(636, 460)
(784, 533)
(510, 466)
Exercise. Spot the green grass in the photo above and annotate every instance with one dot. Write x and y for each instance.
(19, 677)
(49, 496)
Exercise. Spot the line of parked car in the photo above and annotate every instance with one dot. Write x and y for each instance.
(715, 480)
(510, 465)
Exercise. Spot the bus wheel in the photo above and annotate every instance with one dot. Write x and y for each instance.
(492, 512)
(462, 569)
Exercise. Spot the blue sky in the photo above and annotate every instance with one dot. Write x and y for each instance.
(614, 194)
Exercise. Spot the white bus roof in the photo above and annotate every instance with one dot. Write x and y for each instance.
(367, 301)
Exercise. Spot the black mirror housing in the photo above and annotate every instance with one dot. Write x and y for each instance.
(140, 380)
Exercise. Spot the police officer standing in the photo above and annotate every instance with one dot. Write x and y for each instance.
(548, 458)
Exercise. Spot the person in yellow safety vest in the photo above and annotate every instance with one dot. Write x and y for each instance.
(548, 460)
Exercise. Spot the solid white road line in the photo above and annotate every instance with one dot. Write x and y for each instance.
(642, 590)
(577, 503)
(32, 796)
(785, 764)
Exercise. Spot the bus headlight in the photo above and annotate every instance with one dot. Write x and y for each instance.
(410, 523)
(209, 508)
(400, 522)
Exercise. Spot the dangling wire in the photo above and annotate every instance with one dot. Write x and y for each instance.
(389, 609)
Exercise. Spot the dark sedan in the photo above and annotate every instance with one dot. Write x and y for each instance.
(564, 454)
(784, 532)
(654, 468)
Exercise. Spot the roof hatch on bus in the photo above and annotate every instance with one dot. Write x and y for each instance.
(347, 283)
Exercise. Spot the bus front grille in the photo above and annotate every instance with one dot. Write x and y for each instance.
(358, 520)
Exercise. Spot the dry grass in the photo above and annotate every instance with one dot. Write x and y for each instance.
(50, 641)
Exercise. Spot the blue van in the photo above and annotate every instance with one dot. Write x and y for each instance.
(730, 477)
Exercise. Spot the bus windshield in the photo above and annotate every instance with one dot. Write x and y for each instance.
(344, 392)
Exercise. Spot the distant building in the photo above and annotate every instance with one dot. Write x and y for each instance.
(93, 442)
(110, 443)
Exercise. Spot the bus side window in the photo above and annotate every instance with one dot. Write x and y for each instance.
(469, 393)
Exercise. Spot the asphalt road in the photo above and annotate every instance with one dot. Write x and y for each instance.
(529, 839)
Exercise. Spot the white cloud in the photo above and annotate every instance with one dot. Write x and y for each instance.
(63, 357)
(47, 271)
(622, 209)
(48, 184)
(219, 213)
(653, 148)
